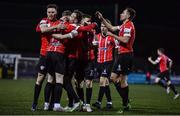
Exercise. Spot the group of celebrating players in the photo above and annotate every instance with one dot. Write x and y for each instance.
(68, 53)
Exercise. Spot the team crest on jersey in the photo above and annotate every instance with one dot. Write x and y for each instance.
(127, 30)
(91, 72)
(119, 68)
(108, 42)
(42, 67)
(104, 72)
(43, 22)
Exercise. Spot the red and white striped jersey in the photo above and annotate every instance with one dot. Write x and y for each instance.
(57, 45)
(105, 48)
(44, 36)
(126, 29)
(163, 62)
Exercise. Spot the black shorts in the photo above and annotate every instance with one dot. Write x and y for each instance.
(104, 69)
(165, 75)
(55, 63)
(42, 66)
(89, 70)
(123, 64)
(80, 69)
(70, 66)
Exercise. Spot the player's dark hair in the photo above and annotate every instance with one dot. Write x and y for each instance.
(131, 12)
(78, 15)
(162, 50)
(66, 13)
(52, 6)
(86, 16)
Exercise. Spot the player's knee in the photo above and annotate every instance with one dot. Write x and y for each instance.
(102, 81)
(79, 84)
(50, 78)
(107, 82)
(40, 79)
(157, 80)
(123, 81)
(169, 82)
(59, 78)
(113, 77)
(88, 83)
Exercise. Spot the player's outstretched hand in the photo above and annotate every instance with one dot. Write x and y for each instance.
(98, 14)
(149, 58)
(74, 33)
(61, 26)
(109, 33)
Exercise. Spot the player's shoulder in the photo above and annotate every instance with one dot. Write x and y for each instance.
(44, 20)
(98, 35)
(129, 24)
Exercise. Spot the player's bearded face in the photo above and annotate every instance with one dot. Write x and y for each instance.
(103, 29)
(73, 18)
(86, 21)
(51, 13)
(124, 15)
(158, 52)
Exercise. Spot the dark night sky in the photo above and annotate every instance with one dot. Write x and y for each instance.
(157, 23)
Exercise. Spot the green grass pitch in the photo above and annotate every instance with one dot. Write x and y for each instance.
(16, 98)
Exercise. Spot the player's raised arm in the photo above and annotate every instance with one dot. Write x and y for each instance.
(170, 63)
(108, 25)
(152, 61)
(124, 39)
(70, 35)
(46, 29)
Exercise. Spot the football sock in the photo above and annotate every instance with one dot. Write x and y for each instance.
(101, 93)
(47, 91)
(80, 93)
(57, 92)
(173, 88)
(88, 95)
(37, 90)
(108, 93)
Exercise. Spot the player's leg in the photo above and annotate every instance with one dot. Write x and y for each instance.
(169, 83)
(108, 94)
(160, 77)
(79, 79)
(79, 83)
(59, 74)
(125, 92)
(108, 67)
(102, 84)
(50, 80)
(40, 78)
(48, 90)
(115, 74)
(126, 69)
(115, 78)
(125, 65)
(72, 96)
(89, 75)
(74, 99)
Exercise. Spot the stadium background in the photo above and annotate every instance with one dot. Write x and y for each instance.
(157, 25)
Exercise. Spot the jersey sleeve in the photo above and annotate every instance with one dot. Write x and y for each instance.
(42, 23)
(118, 27)
(127, 30)
(85, 28)
(158, 60)
(69, 28)
(169, 60)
